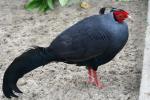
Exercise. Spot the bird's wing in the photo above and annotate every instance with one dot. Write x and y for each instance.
(84, 40)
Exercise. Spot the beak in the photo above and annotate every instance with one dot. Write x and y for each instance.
(130, 18)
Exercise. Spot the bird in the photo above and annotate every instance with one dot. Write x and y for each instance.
(91, 42)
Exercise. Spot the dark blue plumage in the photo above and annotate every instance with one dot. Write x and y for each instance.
(91, 42)
(94, 38)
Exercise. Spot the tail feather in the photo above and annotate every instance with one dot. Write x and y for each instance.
(28, 61)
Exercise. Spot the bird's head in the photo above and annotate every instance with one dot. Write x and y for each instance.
(119, 14)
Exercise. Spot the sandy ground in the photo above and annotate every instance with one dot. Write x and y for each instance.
(20, 29)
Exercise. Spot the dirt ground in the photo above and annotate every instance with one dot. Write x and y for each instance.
(20, 29)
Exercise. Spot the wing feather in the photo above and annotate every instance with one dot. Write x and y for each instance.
(84, 40)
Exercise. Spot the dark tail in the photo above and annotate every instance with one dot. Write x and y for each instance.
(28, 61)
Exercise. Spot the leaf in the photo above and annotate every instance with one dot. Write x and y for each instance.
(43, 6)
(32, 4)
(63, 2)
(50, 4)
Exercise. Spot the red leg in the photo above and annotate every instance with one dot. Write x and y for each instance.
(97, 81)
(90, 77)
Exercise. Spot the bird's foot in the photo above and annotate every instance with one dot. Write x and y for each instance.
(92, 78)
(99, 84)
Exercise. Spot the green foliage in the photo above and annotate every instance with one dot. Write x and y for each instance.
(43, 5)
(63, 2)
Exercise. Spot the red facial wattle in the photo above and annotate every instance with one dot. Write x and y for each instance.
(120, 16)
